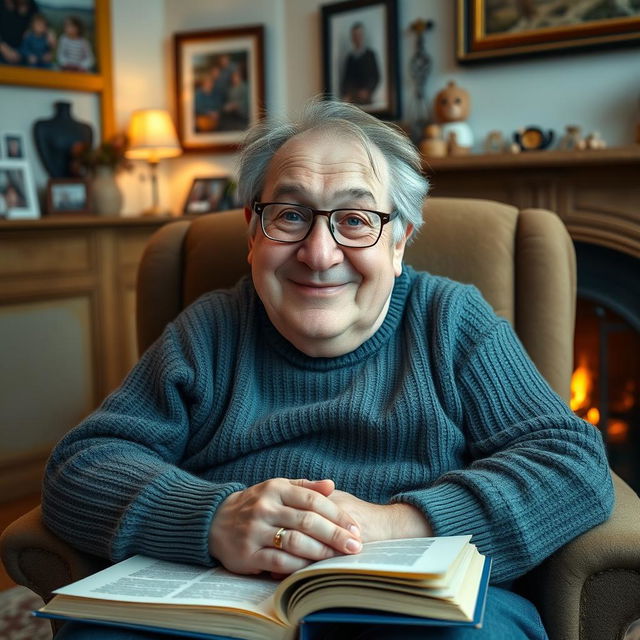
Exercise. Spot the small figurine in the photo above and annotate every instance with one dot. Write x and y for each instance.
(594, 141)
(432, 145)
(455, 149)
(533, 138)
(572, 140)
(452, 106)
(494, 142)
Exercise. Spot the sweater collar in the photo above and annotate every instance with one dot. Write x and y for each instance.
(387, 329)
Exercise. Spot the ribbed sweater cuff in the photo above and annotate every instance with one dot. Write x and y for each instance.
(171, 518)
(452, 511)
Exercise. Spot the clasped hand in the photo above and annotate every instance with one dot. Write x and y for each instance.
(243, 529)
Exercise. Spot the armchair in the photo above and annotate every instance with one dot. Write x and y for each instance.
(524, 264)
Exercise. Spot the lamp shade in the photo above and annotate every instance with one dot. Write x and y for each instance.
(152, 136)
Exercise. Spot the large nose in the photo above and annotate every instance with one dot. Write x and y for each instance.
(319, 251)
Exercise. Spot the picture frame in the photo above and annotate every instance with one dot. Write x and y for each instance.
(18, 198)
(95, 16)
(68, 196)
(360, 55)
(219, 86)
(208, 195)
(13, 146)
(497, 29)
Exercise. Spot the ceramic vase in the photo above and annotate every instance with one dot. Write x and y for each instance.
(106, 194)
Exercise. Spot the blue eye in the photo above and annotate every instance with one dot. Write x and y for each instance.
(291, 215)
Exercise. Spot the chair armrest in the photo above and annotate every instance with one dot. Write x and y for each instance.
(36, 558)
(590, 588)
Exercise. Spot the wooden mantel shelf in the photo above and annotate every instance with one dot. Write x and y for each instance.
(72, 221)
(535, 159)
(595, 193)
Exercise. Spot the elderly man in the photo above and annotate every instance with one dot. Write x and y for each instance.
(334, 397)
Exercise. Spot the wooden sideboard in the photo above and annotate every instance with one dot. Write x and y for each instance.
(67, 330)
(595, 193)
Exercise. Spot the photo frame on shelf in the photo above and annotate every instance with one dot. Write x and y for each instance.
(360, 55)
(208, 195)
(18, 198)
(12, 146)
(219, 86)
(85, 67)
(490, 31)
(68, 196)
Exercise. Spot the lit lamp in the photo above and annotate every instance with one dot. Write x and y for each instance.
(152, 137)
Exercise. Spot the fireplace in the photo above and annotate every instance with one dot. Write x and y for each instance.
(605, 387)
(597, 196)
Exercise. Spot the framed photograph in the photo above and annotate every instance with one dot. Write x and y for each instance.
(489, 29)
(208, 195)
(360, 55)
(18, 199)
(59, 44)
(68, 196)
(12, 146)
(219, 86)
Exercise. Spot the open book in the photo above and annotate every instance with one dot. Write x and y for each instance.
(442, 579)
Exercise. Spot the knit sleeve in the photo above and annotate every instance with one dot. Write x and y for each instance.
(113, 486)
(537, 475)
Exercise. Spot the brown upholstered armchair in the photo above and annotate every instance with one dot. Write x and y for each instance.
(524, 264)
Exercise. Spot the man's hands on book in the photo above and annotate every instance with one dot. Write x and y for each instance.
(242, 532)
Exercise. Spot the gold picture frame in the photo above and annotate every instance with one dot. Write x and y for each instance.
(99, 82)
(494, 29)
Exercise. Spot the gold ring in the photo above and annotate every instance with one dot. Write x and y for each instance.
(277, 538)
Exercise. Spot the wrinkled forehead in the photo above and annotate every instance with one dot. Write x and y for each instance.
(319, 158)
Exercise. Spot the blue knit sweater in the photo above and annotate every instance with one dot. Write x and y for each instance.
(440, 408)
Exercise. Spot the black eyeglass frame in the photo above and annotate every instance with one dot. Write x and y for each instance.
(258, 209)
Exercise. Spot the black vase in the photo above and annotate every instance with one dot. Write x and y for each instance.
(55, 138)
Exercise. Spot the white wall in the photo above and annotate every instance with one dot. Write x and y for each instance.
(597, 90)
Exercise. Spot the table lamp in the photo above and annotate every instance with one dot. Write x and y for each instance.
(152, 137)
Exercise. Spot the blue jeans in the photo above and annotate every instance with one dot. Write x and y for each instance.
(508, 616)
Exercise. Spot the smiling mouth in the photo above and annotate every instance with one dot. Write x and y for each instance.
(319, 288)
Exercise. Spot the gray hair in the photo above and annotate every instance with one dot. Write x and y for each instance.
(407, 189)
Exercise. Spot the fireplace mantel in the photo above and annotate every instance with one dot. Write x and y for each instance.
(595, 193)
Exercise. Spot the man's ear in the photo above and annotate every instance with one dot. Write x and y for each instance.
(398, 250)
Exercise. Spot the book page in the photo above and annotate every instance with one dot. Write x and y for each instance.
(143, 579)
(406, 557)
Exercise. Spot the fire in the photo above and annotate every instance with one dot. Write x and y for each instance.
(581, 385)
(581, 391)
(593, 416)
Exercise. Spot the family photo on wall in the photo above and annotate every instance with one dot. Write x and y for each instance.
(219, 86)
(51, 34)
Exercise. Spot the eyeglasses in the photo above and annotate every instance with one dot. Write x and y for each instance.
(285, 222)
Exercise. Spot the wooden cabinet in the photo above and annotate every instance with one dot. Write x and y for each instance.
(67, 330)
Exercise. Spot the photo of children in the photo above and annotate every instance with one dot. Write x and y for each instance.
(48, 34)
